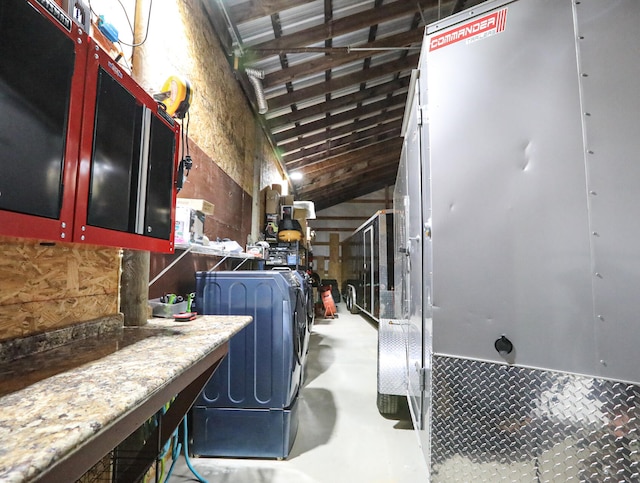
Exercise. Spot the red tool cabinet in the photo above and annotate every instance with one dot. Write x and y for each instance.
(86, 154)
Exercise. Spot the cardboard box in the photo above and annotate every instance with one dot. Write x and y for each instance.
(286, 200)
(196, 204)
(189, 226)
(303, 225)
(299, 214)
(272, 201)
(277, 187)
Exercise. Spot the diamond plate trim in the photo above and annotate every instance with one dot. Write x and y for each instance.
(386, 304)
(502, 423)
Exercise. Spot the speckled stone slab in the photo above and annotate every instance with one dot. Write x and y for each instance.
(13, 349)
(45, 421)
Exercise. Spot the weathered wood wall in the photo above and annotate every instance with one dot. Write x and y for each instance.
(232, 213)
(45, 287)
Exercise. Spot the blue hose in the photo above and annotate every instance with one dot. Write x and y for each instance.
(186, 451)
(168, 445)
(177, 449)
(175, 454)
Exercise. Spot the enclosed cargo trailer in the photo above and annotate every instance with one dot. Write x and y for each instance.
(367, 267)
(368, 287)
(517, 227)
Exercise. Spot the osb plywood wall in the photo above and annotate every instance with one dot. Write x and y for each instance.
(47, 287)
(181, 41)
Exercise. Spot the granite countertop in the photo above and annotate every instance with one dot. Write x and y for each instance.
(56, 401)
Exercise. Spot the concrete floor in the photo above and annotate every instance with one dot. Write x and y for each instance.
(341, 437)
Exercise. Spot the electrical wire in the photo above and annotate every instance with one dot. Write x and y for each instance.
(146, 34)
(127, 17)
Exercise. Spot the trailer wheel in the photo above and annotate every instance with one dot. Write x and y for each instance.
(351, 307)
(354, 308)
(392, 406)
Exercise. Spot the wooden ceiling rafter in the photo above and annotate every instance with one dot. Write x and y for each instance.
(379, 174)
(339, 103)
(335, 28)
(335, 117)
(320, 180)
(353, 157)
(333, 147)
(282, 137)
(387, 132)
(255, 9)
(353, 160)
(342, 82)
(343, 196)
(342, 57)
(350, 189)
(352, 128)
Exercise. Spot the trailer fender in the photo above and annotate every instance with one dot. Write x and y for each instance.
(392, 357)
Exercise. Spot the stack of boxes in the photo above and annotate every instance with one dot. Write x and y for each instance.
(272, 210)
(275, 203)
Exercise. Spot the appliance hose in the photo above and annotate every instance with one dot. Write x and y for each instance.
(185, 433)
(178, 447)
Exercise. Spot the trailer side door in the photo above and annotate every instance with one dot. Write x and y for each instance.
(415, 203)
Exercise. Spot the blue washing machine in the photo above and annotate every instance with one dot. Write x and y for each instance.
(307, 289)
(249, 406)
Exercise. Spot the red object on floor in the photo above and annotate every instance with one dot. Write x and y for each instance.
(327, 300)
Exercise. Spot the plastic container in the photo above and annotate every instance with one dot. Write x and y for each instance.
(167, 310)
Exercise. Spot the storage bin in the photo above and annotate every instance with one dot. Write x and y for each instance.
(167, 310)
